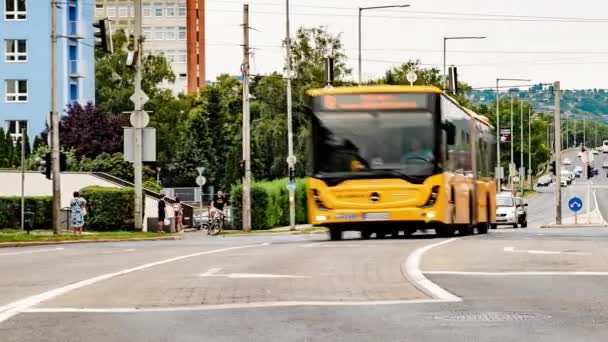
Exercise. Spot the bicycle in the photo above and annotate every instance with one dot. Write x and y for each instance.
(215, 225)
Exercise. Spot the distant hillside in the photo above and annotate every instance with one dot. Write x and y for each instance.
(592, 103)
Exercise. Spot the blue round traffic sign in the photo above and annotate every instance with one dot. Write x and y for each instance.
(575, 204)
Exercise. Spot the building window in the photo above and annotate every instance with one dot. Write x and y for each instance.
(14, 128)
(170, 56)
(16, 50)
(170, 10)
(158, 10)
(181, 34)
(99, 11)
(181, 10)
(183, 75)
(181, 56)
(15, 10)
(123, 12)
(16, 90)
(132, 12)
(147, 32)
(111, 13)
(159, 33)
(170, 33)
(147, 11)
(73, 92)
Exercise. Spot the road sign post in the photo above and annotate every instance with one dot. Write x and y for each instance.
(575, 204)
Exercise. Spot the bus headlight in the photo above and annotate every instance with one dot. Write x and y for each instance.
(433, 197)
(318, 202)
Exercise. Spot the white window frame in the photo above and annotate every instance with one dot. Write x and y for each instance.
(147, 32)
(111, 12)
(16, 97)
(182, 57)
(15, 135)
(123, 12)
(158, 33)
(147, 12)
(171, 30)
(171, 7)
(156, 12)
(16, 14)
(131, 11)
(15, 54)
(181, 10)
(182, 30)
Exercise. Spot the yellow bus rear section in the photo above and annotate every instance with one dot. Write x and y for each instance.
(400, 201)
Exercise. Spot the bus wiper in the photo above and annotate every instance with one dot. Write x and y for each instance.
(395, 173)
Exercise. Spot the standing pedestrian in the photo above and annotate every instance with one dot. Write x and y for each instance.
(78, 210)
(179, 214)
(162, 213)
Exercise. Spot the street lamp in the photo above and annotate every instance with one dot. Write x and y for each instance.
(445, 39)
(498, 173)
(361, 9)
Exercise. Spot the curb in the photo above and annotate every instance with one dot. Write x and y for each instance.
(592, 225)
(272, 234)
(65, 242)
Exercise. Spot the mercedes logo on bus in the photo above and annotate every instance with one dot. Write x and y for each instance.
(374, 197)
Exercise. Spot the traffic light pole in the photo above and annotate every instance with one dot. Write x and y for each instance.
(55, 162)
(291, 160)
(246, 124)
(23, 142)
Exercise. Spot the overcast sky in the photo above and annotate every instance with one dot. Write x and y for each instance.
(570, 50)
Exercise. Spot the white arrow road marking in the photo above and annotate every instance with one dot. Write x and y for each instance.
(213, 273)
(34, 251)
(513, 250)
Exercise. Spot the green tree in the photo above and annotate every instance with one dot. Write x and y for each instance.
(115, 80)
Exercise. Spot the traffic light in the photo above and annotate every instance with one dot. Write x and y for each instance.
(453, 80)
(552, 167)
(292, 174)
(44, 165)
(103, 36)
(589, 171)
(63, 161)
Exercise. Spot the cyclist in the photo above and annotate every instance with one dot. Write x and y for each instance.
(217, 206)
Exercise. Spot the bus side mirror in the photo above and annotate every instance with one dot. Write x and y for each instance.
(450, 132)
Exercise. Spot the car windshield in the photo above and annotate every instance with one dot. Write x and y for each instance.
(365, 142)
(504, 202)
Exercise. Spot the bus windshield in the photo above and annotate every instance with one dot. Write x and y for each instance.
(368, 142)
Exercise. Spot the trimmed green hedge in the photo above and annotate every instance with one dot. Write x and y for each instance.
(10, 211)
(269, 204)
(109, 208)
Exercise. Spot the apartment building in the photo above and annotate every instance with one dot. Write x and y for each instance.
(174, 28)
(25, 68)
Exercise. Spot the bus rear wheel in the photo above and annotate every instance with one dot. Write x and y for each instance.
(335, 234)
(445, 231)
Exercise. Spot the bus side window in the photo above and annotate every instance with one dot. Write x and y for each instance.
(450, 133)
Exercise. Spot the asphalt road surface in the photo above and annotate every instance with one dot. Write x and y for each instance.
(510, 285)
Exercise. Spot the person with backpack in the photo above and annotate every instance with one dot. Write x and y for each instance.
(78, 211)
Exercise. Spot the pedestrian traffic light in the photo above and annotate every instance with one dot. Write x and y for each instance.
(63, 161)
(552, 167)
(292, 174)
(103, 36)
(44, 165)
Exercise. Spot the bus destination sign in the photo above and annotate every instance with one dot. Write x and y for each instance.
(350, 102)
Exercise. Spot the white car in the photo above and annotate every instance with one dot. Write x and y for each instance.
(567, 161)
(605, 164)
(564, 181)
(510, 211)
(543, 180)
(595, 151)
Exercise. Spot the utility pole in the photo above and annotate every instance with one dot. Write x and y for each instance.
(522, 167)
(291, 159)
(530, 146)
(498, 142)
(55, 167)
(23, 142)
(246, 124)
(558, 157)
(138, 120)
(595, 140)
(584, 131)
(511, 166)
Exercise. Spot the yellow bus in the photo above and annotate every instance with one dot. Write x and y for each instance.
(391, 160)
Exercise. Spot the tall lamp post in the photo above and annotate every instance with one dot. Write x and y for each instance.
(498, 169)
(361, 9)
(445, 39)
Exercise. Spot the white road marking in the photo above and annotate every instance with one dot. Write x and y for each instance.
(123, 251)
(513, 250)
(332, 245)
(232, 306)
(598, 208)
(14, 308)
(411, 269)
(33, 251)
(528, 273)
(213, 273)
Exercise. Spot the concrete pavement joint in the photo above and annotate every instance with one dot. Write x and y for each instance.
(14, 308)
(411, 270)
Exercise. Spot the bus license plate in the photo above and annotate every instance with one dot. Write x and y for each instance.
(375, 217)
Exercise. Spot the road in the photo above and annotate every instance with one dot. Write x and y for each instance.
(512, 284)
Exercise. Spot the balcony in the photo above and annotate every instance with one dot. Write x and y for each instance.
(75, 69)
(74, 30)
